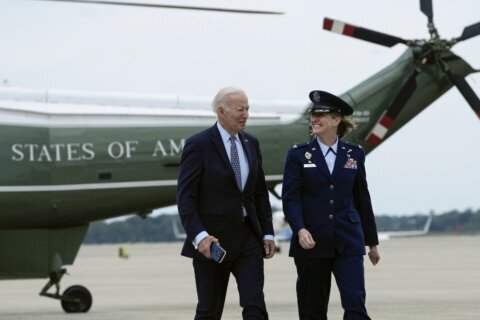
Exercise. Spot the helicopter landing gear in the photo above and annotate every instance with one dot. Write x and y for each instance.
(79, 299)
(75, 299)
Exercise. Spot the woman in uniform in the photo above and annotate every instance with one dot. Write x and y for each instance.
(327, 204)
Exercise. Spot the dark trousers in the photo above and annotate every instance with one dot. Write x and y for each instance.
(212, 281)
(314, 283)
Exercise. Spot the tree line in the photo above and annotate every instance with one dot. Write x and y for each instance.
(167, 227)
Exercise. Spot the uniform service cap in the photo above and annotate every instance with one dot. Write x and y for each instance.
(324, 102)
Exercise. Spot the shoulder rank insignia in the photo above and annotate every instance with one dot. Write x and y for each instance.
(298, 145)
(353, 144)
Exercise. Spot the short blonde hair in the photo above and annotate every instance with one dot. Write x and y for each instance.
(345, 126)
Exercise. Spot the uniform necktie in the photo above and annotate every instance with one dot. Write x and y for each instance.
(234, 160)
(330, 159)
(330, 149)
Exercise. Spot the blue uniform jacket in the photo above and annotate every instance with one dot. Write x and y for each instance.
(335, 208)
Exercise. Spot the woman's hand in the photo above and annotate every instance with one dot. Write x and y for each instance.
(305, 239)
(373, 255)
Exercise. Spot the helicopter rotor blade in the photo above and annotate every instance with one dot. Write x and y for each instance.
(152, 5)
(427, 9)
(469, 32)
(466, 91)
(361, 33)
(387, 118)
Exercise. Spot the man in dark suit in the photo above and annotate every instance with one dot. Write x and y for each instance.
(222, 197)
(327, 204)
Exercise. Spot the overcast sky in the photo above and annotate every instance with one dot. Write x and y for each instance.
(430, 164)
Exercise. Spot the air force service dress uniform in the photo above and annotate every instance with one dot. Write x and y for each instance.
(335, 207)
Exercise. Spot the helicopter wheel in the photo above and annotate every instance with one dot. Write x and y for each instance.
(78, 299)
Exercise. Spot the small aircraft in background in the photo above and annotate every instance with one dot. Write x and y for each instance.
(385, 235)
(283, 232)
(70, 158)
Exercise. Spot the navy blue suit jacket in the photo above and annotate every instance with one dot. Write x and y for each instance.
(335, 208)
(208, 198)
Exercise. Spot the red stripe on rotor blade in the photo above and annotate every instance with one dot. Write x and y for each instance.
(374, 140)
(327, 24)
(386, 122)
(478, 114)
(348, 30)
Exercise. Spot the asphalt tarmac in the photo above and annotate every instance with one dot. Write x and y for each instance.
(433, 277)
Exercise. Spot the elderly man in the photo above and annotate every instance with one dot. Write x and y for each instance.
(223, 199)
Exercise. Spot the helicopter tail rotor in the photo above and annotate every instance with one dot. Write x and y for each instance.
(469, 32)
(425, 52)
(361, 33)
(427, 8)
(383, 125)
(457, 80)
(466, 91)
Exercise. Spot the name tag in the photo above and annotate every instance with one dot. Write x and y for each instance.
(309, 165)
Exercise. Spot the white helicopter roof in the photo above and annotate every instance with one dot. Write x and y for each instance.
(62, 108)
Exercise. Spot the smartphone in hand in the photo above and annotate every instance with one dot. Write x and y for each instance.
(217, 252)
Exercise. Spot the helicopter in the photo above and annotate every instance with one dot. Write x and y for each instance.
(71, 158)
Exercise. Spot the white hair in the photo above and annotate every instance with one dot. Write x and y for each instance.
(222, 97)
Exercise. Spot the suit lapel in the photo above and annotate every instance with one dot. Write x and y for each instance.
(340, 159)
(220, 146)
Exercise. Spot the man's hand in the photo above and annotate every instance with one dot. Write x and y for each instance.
(204, 246)
(305, 239)
(270, 248)
(373, 255)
